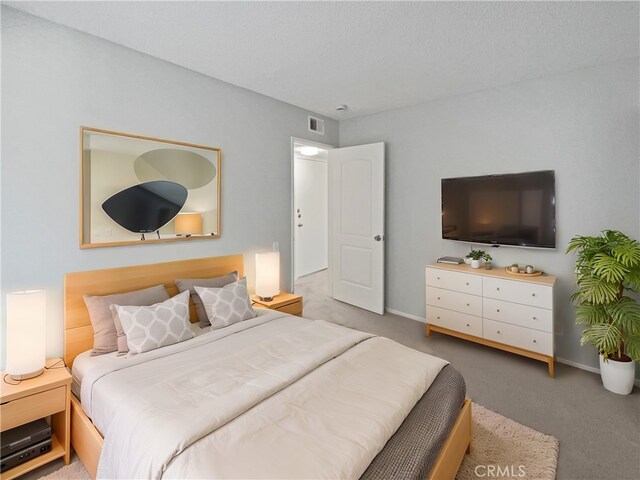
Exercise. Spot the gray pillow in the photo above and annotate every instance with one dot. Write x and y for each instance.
(104, 329)
(185, 284)
(227, 305)
(155, 326)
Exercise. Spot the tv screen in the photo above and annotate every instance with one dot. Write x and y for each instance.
(512, 209)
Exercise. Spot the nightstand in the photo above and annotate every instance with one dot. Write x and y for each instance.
(283, 302)
(35, 398)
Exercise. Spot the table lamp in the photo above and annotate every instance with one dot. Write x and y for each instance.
(267, 275)
(26, 328)
(188, 223)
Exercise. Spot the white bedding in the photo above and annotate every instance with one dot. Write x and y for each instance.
(273, 397)
(85, 362)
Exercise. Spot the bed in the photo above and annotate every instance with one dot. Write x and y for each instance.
(404, 452)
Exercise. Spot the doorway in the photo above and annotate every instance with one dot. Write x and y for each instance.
(338, 220)
(310, 222)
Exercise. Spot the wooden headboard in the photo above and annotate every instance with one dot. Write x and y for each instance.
(78, 333)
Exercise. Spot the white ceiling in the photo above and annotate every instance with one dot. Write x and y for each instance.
(372, 56)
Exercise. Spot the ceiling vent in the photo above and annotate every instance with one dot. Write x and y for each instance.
(316, 125)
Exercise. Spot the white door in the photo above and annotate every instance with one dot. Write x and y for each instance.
(356, 218)
(311, 210)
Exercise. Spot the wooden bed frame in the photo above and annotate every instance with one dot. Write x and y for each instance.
(78, 337)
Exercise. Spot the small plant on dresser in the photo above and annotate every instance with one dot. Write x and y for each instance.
(608, 266)
(476, 256)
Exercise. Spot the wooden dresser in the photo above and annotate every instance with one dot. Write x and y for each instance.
(492, 307)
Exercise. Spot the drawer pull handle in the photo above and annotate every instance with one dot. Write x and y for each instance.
(467, 304)
(533, 294)
(438, 298)
(535, 341)
(467, 283)
(497, 310)
(438, 278)
(534, 318)
(498, 288)
(498, 331)
(438, 318)
(468, 325)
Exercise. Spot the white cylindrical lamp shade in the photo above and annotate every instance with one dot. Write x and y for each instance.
(188, 223)
(26, 329)
(267, 274)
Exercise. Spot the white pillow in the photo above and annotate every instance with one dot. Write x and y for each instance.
(159, 325)
(227, 305)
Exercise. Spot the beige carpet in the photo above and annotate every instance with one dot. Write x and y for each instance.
(501, 448)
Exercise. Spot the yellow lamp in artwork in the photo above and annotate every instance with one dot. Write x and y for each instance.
(267, 275)
(26, 328)
(188, 223)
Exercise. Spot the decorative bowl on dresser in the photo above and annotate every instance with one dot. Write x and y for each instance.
(511, 313)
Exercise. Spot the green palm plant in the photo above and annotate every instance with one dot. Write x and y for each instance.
(608, 266)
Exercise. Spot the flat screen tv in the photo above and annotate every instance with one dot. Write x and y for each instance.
(512, 209)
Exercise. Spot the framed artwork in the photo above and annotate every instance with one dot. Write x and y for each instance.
(137, 190)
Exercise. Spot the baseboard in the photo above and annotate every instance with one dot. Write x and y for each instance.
(588, 368)
(406, 315)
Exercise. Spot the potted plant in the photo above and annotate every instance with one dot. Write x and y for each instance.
(477, 256)
(608, 266)
(514, 268)
(487, 262)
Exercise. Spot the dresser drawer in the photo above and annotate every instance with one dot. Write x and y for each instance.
(460, 302)
(457, 281)
(26, 409)
(293, 308)
(518, 314)
(526, 338)
(460, 322)
(518, 292)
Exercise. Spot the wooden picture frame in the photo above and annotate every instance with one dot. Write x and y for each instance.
(113, 163)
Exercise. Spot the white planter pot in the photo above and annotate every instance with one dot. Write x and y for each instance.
(467, 260)
(617, 377)
(475, 263)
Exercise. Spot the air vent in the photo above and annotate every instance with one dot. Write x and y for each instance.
(316, 125)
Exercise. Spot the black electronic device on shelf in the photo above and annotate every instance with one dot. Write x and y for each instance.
(23, 443)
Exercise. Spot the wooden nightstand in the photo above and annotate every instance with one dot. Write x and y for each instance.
(35, 398)
(283, 302)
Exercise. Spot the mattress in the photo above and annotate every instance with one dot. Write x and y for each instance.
(84, 362)
(409, 453)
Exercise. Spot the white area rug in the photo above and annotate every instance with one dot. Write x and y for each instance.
(501, 448)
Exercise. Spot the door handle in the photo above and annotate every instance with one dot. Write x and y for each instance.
(377, 238)
(299, 224)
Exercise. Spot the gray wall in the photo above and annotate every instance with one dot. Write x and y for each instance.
(584, 125)
(54, 80)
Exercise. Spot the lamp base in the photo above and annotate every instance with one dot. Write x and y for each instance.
(265, 299)
(26, 376)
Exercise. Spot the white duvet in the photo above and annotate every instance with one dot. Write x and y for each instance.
(273, 397)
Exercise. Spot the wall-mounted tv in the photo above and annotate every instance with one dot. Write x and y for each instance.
(512, 209)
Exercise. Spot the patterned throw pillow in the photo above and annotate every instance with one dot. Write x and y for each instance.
(227, 305)
(106, 337)
(159, 325)
(214, 282)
